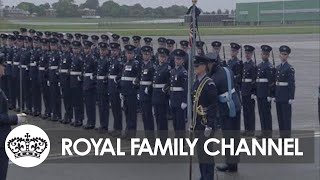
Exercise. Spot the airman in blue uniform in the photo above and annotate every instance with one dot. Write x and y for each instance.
(125, 41)
(184, 44)
(248, 89)
(161, 44)
(44, 77)
(26, 83)
(102, 87)
(77, 37)
(34, 76)
(265, 92)
(69, 37)
(229, 110)
(178, 92)
(204, 114)
(55, 100)
(161, 87)
(8, 71)
(170, 46)
(89, 85)
(115, 38)
(216, 49)
(76, 81)
(64, 75)
(129, 85)
(16, 71)
(116, 66)
(236, 65)
(145, 92)
(104, 38)
(4, 50)
(137, 50)
(200, 50)
(284, 92)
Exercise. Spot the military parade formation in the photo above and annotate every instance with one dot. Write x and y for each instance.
(87, 72)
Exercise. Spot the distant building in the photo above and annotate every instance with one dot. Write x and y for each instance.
(212, 19)
(15, 12)
(50, 12)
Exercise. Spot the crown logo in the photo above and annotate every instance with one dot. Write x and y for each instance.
(27, 146)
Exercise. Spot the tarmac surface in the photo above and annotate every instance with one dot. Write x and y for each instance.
(305, 59)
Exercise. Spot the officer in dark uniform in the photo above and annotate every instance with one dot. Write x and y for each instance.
(200, 50)
(26, 83)
(102, 87)
(125, 41)
(34, 76)
(69, 37)
(116, 66)
(55, 100)
(236, 65)
(44, 77)
(161, 87)
(8, 71)
(248, 89)
(95, 46)
(39, 34)
(137, 50)
(47, 34)
(104, 38)
(147, 41)
(229, 110)
(64, 75)
(76, 79)
(4, 50)
(77, 36)
(16, 71)
(161, 44)
(170, 46)
(185, 47)
(84, 37)
(265, 93)
(129, 86)
(115, 38)
(216, 48)
(145, 92)
(6, 121)
(23, 31)
(284, 91)
(178, 92)
(204, 113)
(89, 85)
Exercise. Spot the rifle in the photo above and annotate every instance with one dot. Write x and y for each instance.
(255, 59)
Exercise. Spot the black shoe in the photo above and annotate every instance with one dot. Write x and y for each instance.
(65, 122)
(54, 119)
(77, 124)
(88, 127)
(72, 124)
(36, 114)
(116, 133)
(102, 130)
(247, 134)
(228, 168)
(125, 136)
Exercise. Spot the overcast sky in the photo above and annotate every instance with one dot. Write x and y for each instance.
(206, 5)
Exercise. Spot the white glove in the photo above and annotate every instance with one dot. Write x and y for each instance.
(163, 90)
(169, 103)
(146, 91)
(207, 131)
(254, 97)
(22, 118)
(121, 97)
(274, 99)
(91, 77)
(78, 78)
(291, 101)
(183, 106)
(138, 96)
(59, 84)
(115, 81)
(48, 83)
(269, 99)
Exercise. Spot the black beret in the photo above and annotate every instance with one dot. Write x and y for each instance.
(235, 46)
(125, 39)
(136, 38)
(76, 44)
(38, 33)
(104, 37)
(147, 39)
(69, 36)
(216, 44)
(65, 42)
(84, 36)
(146, 49)
(48, 33)
(200, 60)
(4, 36)
(179, 53)
(248, 48)
(114, 45)
(129, 47)
(161, 40)
(285, 48)
(115, 36)
(184, 43)
(32, 31)
(20, 37)
(23, 30)
(266, 48)
(95, 37)
(199, 44)
(170, 41)
(103, 45)
(11, 37)
(36, 38)
(164, 51)
(87, 43)
(16, 33)
(44, 41)
(53, 40)
(77, 35)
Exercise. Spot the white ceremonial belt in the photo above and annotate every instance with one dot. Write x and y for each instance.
(128, 78)
(53, 67)
(33, 64)
(262, 80)
(100, 77)
(246, 80)
(64, 70)
(226, 94)
(75, 73)
(282, 83)
(145, 83)
(176, 89)
(16, 63)
(88, 74)
(9, 62)
(24, 66)
(158, 86)
(112, 77)
(42, 68)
